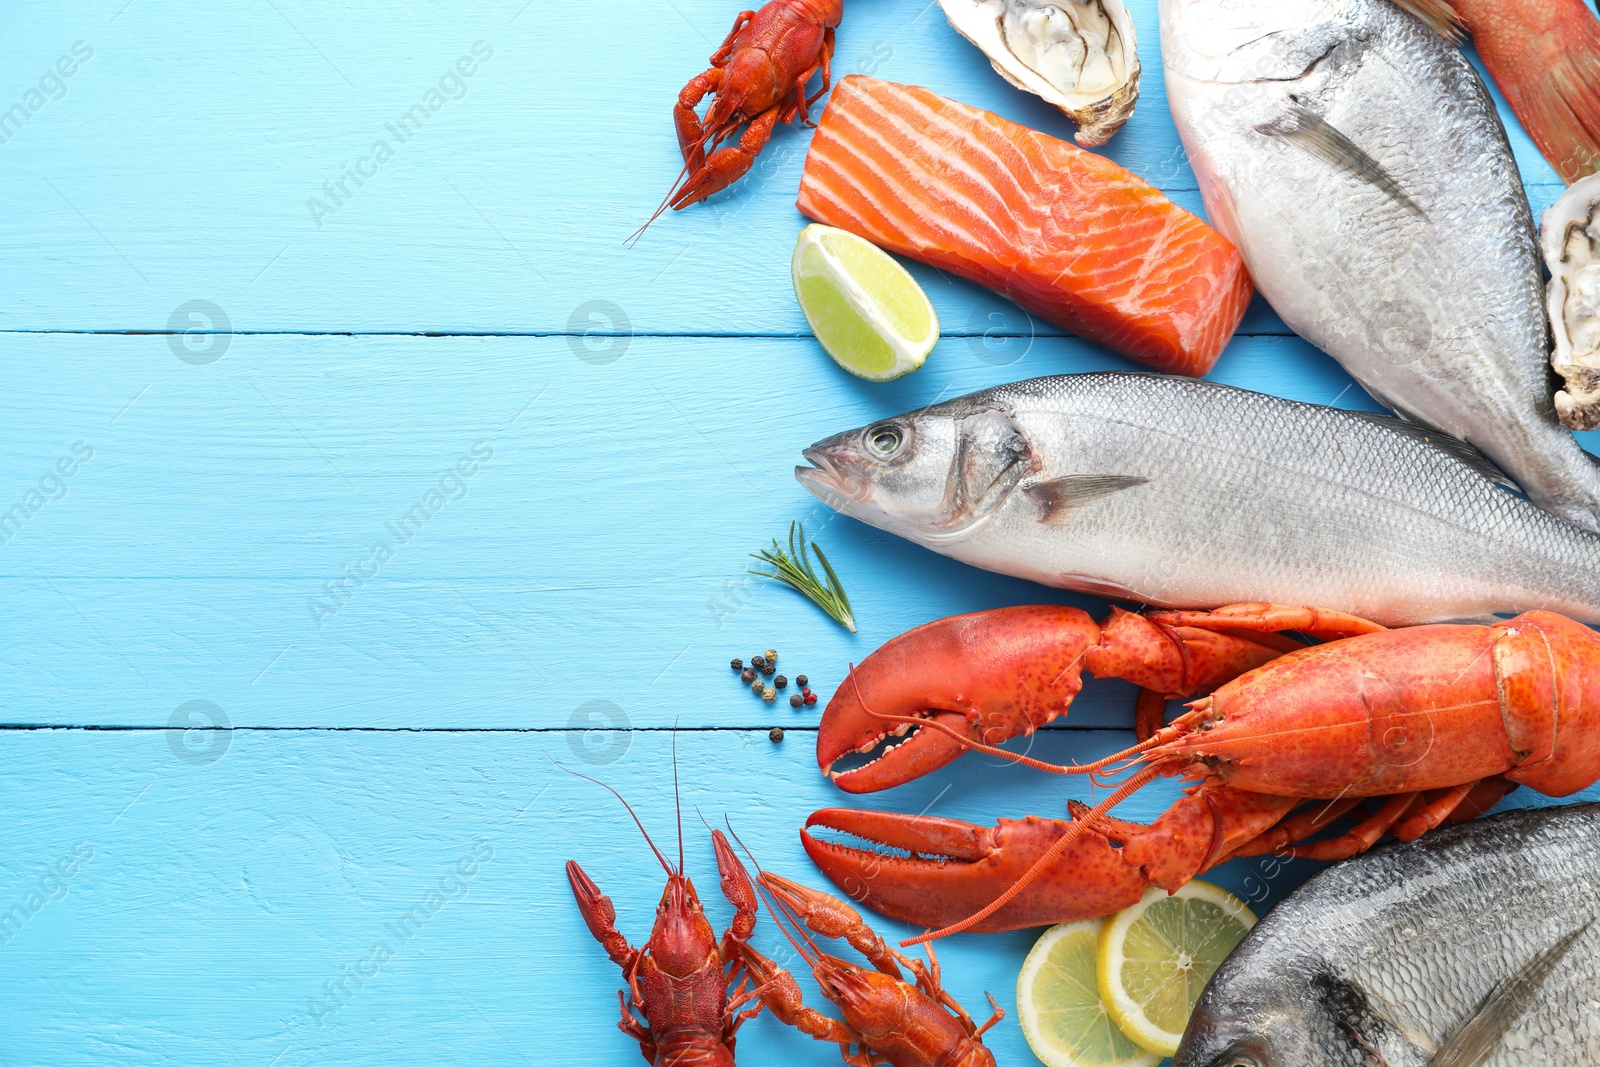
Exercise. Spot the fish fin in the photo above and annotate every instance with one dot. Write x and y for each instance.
(1304, 127)
(1059, 496)
(1480, 1036)
(1445, 19)
(1454, 447)
(1560, 106)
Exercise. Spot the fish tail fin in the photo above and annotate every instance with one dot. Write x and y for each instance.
(1440, 14)
(1546, 59)
(1564, 118)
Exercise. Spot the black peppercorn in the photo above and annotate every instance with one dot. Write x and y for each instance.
(800, 680)
(737, 664)
(780, 681)
(747, 676)
(796, 700)
(775, 734)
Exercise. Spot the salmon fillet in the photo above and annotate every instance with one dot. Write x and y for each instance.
(1067, 234)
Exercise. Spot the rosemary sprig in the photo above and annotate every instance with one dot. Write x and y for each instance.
(794, 570)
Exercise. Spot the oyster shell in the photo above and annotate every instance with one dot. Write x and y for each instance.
(1080, 55)
(1570, 234)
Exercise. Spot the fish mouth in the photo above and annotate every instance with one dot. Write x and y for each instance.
(829, 479)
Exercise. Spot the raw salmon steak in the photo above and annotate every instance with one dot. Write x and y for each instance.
(1069, 235)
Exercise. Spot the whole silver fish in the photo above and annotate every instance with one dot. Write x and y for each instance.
(1186, 493)
(1472, 944)
(1355, 158)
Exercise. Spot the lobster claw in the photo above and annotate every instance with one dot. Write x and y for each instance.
(990, 676)
(956, 868)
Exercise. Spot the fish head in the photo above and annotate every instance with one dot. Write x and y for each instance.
(932, 476)
(1269, 1008)
(1273, 1037)
(1246, 41)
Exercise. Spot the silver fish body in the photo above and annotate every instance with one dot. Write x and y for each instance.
(1357, 161)
(1187, 493)
(1383, 958)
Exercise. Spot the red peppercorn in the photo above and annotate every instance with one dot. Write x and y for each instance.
(810, 698)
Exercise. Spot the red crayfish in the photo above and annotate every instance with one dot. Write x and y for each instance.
(758, 79)
(682, 980)
(1439, 721)
(886, 1018)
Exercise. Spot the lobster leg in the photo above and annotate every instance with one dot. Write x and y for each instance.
(1433, 813)
(1270, 618)
(727, 164)
(1363, 836)
(1296, 829)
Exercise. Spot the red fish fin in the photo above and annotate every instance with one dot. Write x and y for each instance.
(1436, 13)
(1562, 114)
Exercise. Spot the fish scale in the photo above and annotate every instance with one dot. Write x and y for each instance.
(1185, 493)
(1402, 946)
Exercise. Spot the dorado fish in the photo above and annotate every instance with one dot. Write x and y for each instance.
(1355, 158)
(1476, 946)
(1190, 494)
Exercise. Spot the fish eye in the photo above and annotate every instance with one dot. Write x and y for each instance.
(884, 440)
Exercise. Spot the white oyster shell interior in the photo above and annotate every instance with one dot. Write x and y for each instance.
(1570, 236)
(1080, 55)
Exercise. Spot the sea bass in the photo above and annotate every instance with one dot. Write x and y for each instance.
(1475, 946)
(1356, 159)
(1190, 494)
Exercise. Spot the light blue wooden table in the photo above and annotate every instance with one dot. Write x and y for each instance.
(255, 365)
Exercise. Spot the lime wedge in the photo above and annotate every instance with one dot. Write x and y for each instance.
(1059, 1005)
(1157, 956)
(869, 314)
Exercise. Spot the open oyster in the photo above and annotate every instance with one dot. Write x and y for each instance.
(1570, 234)
(1080, 55)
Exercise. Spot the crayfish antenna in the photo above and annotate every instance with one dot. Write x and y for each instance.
(677, 797)
(633, 238)
(1075, 831)
(663, 860)
(777, 909)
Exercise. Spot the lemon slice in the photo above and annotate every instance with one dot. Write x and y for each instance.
(870, 315)
(1059, 1005)
(1156, 957)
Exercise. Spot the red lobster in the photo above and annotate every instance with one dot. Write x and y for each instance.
(1441, 721)
(759, 78)
(680, 980)
(886, 1018)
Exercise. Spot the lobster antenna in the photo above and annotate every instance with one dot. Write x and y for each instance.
(1006, 754)
(1075, 831)
(578, 774)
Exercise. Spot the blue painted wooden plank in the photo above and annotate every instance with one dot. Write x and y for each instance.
(504, 210)
(223, 541)
(210, 907)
